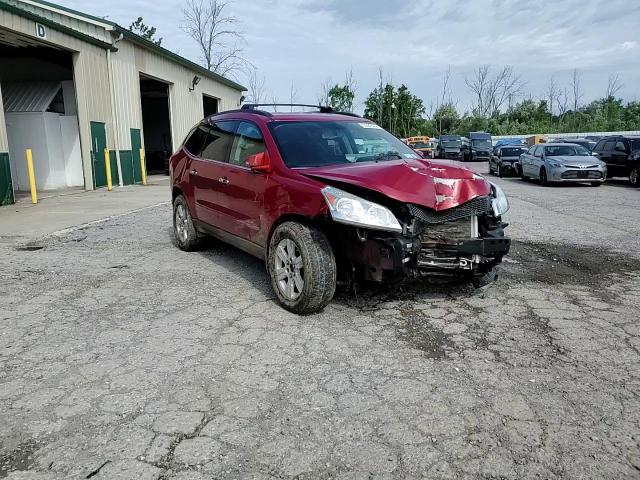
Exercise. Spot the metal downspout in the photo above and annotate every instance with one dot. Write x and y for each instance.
(114, 110)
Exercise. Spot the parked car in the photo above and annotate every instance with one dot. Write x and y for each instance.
(506, 160)
(321, 196)
(562, 163)
(586, 143)
(622, 156)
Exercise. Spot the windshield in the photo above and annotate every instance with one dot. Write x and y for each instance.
(566, 151)
(481, 143)
(450, 142)
(315, 144)
(512, 152)
(419, 145)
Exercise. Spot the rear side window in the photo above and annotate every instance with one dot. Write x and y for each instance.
(248, 141)
(219, 140)
(196, 139)
(621, 147)
(635, 144)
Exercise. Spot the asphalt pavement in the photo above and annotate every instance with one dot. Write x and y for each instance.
(122, 357)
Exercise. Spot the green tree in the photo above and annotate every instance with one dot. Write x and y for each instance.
(446, 119)
(145, 31)
(341, 98)
(398, 111)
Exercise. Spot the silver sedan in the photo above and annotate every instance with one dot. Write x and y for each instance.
(562, 163)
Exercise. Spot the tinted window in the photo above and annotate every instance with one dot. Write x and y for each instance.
(538, 151)
(248, 141)
(532, 150)
(600, 146)
(621, 147)
(609, 146)
(635, 145)
(194, 142)
(219, 140)
(311, 144)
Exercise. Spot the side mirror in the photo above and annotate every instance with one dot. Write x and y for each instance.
(259, 163)
(595, 154)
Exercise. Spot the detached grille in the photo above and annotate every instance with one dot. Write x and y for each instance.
(438, 249)
(477, 207)
(580, 174)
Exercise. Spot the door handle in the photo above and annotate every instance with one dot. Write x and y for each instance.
(224, 180)
(194, 172)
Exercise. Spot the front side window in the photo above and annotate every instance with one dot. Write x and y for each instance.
(621, 147)
(635, 144)
(219, 139)
(609, 146)
(538, 151)
(599, 146)
(314, 144)
(248, 141)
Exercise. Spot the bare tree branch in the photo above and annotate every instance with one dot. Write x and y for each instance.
(552, 93)
(614, 85)
(255, 85)
(323, 96)
(576, 89)
(217, 35)
(493, 93)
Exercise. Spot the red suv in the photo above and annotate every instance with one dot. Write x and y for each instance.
(326, 195)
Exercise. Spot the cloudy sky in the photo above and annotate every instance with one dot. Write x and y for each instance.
(306, 42)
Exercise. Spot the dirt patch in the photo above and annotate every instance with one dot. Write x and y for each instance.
(20, 459)
(559, 264)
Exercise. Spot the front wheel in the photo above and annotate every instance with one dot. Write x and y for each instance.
(634, 181)
(499, 172)
(302, 268)
(543, 178)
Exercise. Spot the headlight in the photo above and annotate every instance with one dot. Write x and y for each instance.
(499, 203)
(352, 210)
(554, 164)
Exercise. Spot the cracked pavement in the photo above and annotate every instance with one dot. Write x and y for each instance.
(122, 357)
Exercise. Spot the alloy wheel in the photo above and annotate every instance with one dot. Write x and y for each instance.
(181, 223)
(633, 177)
(289, 269)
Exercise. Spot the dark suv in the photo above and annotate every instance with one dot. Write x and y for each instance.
(323, 196)
(622, 156)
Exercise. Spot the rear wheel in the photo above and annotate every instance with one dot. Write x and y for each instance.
(499, 170)
(302, 268)
(184, 230)
(634, 175)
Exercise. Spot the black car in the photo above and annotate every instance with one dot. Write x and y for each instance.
(622, 156)
(505, 158)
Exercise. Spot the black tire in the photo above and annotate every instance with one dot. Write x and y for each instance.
(634, 177)
(318, 267)
(499, 171)
(187, 239)
(523, 176)
(543, 177)
(490, 169)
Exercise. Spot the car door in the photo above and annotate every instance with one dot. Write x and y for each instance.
(527, 160)
(207, 171)
(242, 195)
(537, 161)
(620, 157)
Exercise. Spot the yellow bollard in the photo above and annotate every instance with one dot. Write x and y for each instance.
(107, 167)
(32, 176)
(143, 167)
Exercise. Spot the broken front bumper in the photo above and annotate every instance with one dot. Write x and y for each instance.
(395, 258)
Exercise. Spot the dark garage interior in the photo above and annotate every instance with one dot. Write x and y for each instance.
(156, 122)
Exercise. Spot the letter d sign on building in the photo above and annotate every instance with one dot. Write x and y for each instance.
(41, 32)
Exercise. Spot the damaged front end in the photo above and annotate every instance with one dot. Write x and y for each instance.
(464, 241)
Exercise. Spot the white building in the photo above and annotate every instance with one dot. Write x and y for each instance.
(72, 85)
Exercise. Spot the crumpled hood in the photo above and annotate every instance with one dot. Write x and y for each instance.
(438, 184)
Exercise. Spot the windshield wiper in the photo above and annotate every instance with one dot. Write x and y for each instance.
(382, 157)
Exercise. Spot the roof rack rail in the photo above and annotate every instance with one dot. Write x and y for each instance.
(253, 106)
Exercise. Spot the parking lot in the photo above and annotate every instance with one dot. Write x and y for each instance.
(123, 357)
